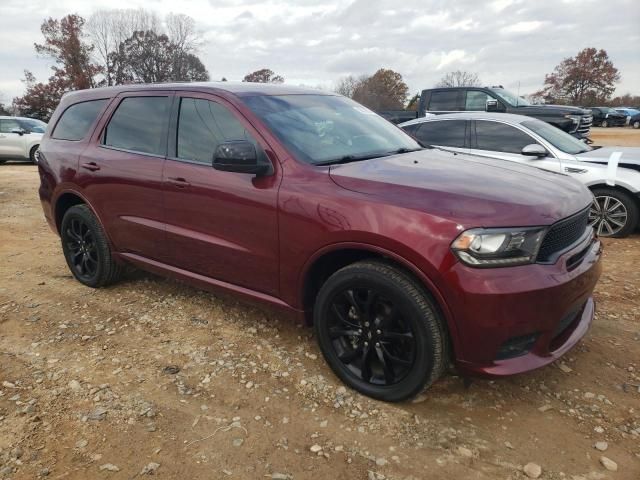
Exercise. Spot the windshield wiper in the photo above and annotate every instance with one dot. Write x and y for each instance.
(350, 158)
(405, 150)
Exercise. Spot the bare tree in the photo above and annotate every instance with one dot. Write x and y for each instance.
(348, 85)
(183, 33)
(108, 30)
(264, 75)
(459, 78)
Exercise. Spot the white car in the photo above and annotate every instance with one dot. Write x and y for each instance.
(613, 179)
(20, 138)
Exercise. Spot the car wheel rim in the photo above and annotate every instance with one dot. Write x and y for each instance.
(607, 215)
(81, 246)
(371, 336)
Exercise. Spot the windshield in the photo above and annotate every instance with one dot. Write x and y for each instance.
(556, 137)
(608, 110)
(511, 98)
(320, 129)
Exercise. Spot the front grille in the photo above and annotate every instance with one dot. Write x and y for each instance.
(562, 235)
(585, 125)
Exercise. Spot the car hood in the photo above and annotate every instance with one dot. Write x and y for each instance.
(470, 190)
(553, 109)
(630, 156)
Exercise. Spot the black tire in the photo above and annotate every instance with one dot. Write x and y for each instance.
(628, 207)
(604, 124)
(32, 153)
(413, 331)
(86, 248)
(636, 124)
(2, 161)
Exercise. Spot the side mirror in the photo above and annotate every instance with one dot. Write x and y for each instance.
(534, 150)
(19, 131)
(241, 157)
(491, 105)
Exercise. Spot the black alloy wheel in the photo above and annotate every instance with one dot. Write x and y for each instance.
(86, 248)
(379, 331)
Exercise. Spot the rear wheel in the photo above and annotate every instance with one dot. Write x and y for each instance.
(636, 124)
(32, 153)
(86, 248)
(613, 213)
(379, 331)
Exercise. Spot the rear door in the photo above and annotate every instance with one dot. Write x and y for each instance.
(222, 225)
(12, 145)
(448, 134)
(500, 140)
(121, 172)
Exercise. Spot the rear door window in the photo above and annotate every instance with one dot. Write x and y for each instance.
(448, 133)
(202, 126)
(499, 137)
(8, 125)
(77, 119)
(444, 101)
(139, 125)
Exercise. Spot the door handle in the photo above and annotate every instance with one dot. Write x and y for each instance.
(93, 166)
(178, 182)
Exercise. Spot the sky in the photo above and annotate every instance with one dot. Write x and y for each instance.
(513, 43)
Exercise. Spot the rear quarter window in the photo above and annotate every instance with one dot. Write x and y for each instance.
(77, 119)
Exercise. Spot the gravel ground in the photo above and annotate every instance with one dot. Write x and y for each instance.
(151, 377)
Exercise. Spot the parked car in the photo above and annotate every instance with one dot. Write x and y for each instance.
(403, 258)
(573, 120)
(531, 142)
(628, 113)
(634, 121)
(20, 138)
(608, 117)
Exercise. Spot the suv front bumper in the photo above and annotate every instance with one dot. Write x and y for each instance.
(512, 320)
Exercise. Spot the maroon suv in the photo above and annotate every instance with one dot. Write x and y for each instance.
(404, 258)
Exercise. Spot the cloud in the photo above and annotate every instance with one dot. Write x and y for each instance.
(508, 42)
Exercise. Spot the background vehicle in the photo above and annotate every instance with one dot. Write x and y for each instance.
(574, 120)
(20, 138)
(608, 117)
(532, 142)
(311, 203)
(634, 120)
(629, 112)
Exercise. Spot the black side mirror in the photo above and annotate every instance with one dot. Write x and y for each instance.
(239, 156)
(19, 131)
(534, 150)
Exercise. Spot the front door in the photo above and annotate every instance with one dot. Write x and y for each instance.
(499, 140)
(222, 225)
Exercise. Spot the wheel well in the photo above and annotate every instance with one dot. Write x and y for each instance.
(64, 203)
(619, 189)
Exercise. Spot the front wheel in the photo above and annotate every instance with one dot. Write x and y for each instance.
(604, 124)
(86, 248)
(33, 152)
(613, 213)
(636, 124)
(379, 331)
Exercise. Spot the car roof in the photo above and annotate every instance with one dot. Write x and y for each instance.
(504, 117)
(9, 117)
(240, 89)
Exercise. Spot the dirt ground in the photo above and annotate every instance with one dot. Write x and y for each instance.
(151, 377)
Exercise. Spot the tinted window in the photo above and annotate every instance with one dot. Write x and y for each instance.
(499, 137)
(476, 100)
(556, 137)
(202, 125)
(448, 133)
(77, 119)
(7, 125)
(446, 100)
(138, 125)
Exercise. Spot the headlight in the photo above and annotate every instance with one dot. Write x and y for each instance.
(576, 121)
(498, 247)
